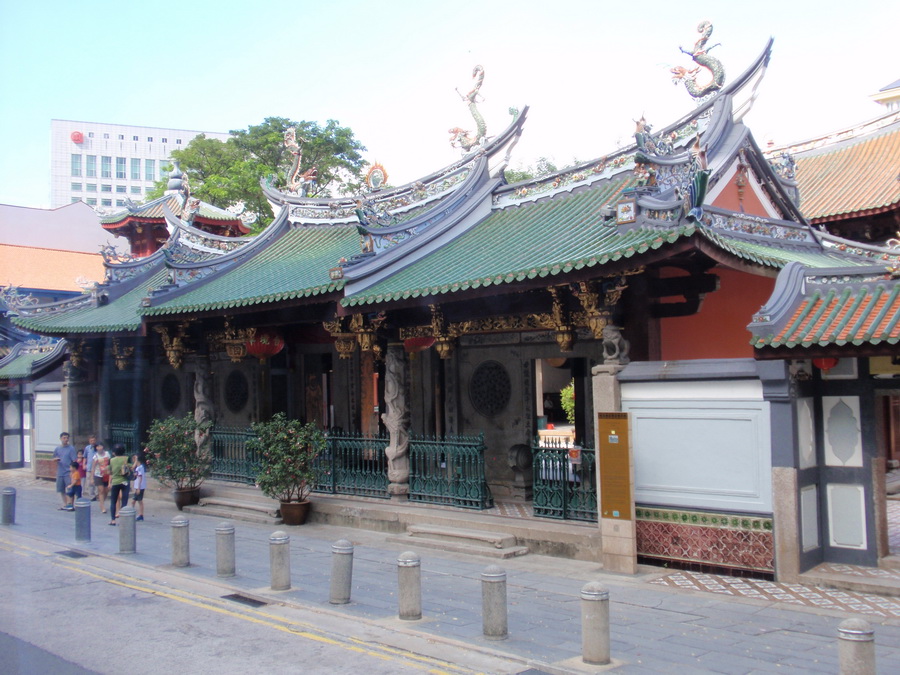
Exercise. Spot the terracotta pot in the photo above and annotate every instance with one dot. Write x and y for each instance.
(186, 496)
(294, 513)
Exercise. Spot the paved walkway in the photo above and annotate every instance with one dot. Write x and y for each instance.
(717, 624)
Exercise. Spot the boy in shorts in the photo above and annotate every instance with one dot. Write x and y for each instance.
(73, 489)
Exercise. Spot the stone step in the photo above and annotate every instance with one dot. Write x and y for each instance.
(888, 585)
(473, 537)
(270, 507)
(458, 547)
(229, 509)
(890, 562)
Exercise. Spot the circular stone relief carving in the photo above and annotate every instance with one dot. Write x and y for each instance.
(170, 392)
(489, 388)
(237, 391)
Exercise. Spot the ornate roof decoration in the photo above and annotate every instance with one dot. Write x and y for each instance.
(701, 56)
(298, 183)
(468, 141)
(27, 360)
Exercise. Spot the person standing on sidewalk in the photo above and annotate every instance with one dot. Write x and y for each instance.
(101, 474)
(140, 483)
(90, 450)
(64, 454)
(118, 483)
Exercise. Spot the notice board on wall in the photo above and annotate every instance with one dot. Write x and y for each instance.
(616, 500)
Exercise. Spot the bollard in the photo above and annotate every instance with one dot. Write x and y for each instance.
(280, 560)
(82, 519)
(127, 534)
(8, 506)
(409, 582)
(493, 603)
(856, 647)
(594, 624)
(225, 549)
(341, 572)
(181, 542)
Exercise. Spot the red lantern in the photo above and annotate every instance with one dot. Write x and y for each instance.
(417, 344)
(77, 137)
(265, 343)
(825, 364)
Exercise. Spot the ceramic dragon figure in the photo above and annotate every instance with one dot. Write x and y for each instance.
(298, 182)
(466, 140)
(700, 55)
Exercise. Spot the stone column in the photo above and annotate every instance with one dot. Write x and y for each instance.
(396, 419)
(204, 409)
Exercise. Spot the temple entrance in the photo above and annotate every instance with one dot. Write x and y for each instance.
(888, 406)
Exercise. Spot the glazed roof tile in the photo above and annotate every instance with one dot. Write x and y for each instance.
(295, 265)
(154, 209)
(855, 179)
(18, 367)
(26, 360)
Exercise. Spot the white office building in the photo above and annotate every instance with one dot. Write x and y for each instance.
(105, 164)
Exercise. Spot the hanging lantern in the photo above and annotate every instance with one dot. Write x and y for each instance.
(825, 364)
(417, 344)
(265, 343)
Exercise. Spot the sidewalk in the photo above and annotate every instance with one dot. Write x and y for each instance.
(655, 627)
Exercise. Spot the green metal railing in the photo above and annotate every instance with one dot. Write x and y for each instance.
(124, 433)
(353, 464)
(449, 471)
(564, 486)
(231, 459)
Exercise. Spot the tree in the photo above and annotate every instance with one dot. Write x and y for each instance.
(225, 173)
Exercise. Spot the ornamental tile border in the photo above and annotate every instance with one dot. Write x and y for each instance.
(703, 519)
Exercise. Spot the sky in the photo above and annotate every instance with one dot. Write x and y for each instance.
(389, 70)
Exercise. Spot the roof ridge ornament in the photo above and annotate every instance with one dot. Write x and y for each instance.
(303, 183)
(700, 55)
(466, 140)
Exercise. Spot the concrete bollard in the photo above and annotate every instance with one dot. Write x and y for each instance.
(341, 572)
(225, 566)
(856, 648)
(8, 506)
(493, 603)
(82, 519)
(594, 624)
(127, 533)
(280, 560)
(181, 542)
(409, 584)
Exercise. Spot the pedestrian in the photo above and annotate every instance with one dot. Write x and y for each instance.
(90, 450)
(73, 489)
(82, 469)
(64, 454)
(100, 468)
(140, 483)
(119, 482)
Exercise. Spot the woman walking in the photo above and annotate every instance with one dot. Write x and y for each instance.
(119, 482)
(100, 468)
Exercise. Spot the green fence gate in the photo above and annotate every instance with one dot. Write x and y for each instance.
(564, 481)
(231, 459)
(353, 464)
(449, 471)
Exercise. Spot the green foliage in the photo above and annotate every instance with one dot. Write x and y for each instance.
(286, 449)
(225, 173)
(172, 452)
(567, 400)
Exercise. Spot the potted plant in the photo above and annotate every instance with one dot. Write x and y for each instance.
(175, 458)
(286, 450)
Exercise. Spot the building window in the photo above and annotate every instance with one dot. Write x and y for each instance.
(90, 134)
(105, 167)
(106, 202)
(120, 167)
(135, 189)
(106, 136)
(134, 138)
(165, 140)
(76, 187)
(149, 139)
(106, 188)
(120, 202)
(177, 141)
(149, 169)
(121, 189)
(121, 137)
(90, 169)
(92, 201)
(90, 187)
(76, 165)
(135, 169)
(75, 200)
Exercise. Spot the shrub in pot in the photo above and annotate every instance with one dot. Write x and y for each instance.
(286, 450)
(174, 457)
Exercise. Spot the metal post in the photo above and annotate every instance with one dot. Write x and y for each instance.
(341, 572)
(594, 623)
(280, 560)
(127, 534)
(225, 566)
(856, 648)
(493, 603)
(8, 506)
(82, 519)
(409, 581)
(181, 542)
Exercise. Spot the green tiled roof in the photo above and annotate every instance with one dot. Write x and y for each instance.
(120, 315)
(779, 253)
(19, 368)
(524, 242)
(154, 209)
(296, 265)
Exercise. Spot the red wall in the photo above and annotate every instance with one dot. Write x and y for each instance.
(719, 329)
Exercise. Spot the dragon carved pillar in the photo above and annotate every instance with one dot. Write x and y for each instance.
(204, 410)
(396, 419)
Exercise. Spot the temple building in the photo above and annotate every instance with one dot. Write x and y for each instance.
(431, 327)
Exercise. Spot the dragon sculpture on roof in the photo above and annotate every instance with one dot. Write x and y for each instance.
(298, 182)
(700, 55)
(466, 140)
